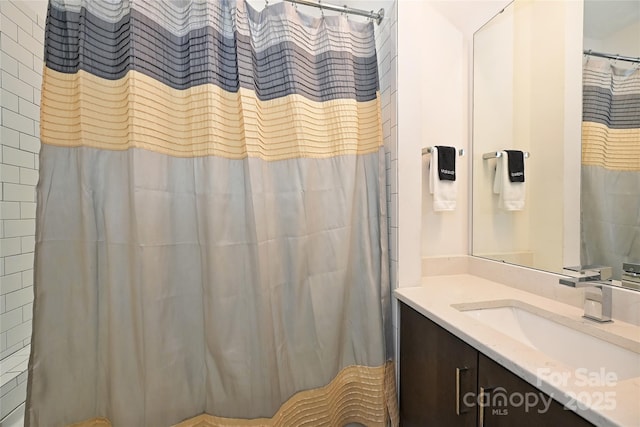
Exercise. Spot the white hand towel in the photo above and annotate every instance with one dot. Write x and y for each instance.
(445, 193)
(512, 194)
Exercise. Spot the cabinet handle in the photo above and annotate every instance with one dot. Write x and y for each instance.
(458, 372)
(482, 402)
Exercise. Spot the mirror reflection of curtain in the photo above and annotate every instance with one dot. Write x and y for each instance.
(211, 225)
(610, 198)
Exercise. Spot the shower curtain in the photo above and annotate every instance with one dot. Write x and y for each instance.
(610, 202)
(211, 225)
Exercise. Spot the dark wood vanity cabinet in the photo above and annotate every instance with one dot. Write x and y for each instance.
(436, 370)
(511, 401)
(446, 382)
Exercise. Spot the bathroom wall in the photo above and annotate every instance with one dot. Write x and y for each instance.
(21, 43)
(434, 45)
(431, 111)
(386, 46)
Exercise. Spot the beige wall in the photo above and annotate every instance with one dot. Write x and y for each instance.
(432, 110)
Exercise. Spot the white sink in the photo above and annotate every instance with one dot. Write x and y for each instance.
(566, 342)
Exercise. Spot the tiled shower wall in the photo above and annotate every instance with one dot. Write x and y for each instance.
(387, 52)
(21, 44)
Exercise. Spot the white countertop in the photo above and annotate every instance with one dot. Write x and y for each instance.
(434, 299)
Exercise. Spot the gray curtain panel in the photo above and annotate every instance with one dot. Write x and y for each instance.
(610, 196)
(211, 224)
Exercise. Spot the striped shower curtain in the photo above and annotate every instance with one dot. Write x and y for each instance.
(211, 226)
(610, 197)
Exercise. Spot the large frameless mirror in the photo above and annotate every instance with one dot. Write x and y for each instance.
(528, 96)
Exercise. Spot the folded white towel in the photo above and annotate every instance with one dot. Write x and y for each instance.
(445, 193)
(512, 194)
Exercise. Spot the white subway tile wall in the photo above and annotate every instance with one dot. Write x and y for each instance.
(386, 45)
(21, 59)
(387, 50)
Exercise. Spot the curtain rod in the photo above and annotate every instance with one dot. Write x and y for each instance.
(377, 16)
(610, 56)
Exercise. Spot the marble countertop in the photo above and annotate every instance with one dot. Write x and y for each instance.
(604, 403)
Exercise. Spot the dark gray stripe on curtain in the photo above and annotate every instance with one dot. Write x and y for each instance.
(109, 50)
(613, 111)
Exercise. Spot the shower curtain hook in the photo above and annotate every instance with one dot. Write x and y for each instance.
(266, 4)
(321, 8)
(614, 61)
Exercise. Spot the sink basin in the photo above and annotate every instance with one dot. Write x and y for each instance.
(566, 342)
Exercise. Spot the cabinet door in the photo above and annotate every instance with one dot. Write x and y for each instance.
(437, 369)
(507, 400)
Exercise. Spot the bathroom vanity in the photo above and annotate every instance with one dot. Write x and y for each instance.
(478, 353)
(446, 382)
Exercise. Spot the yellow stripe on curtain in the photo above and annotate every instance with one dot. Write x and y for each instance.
(139, 112)
(613, 149)
(358, 394)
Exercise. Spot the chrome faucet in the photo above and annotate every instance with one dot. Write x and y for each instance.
(598, 295)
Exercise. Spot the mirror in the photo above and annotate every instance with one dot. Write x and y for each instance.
(526, 88)
(527, 96)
